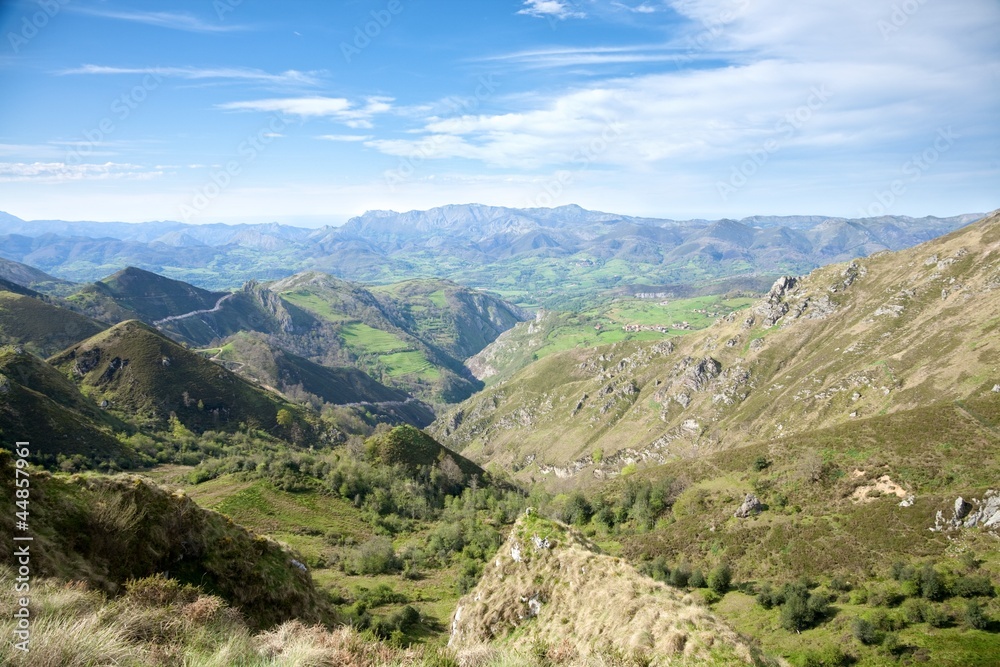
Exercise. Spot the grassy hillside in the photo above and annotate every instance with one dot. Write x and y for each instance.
(848, 342)
(39, 405)
(550, 588)
(41, 327)
(108, 530)
(144, 375)
(30, 277)
(136, 294)
(623, 319)
(253, 357)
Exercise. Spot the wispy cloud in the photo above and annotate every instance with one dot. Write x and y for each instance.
(358, 116)
(596, 55)
(58, 172)
(555, 9)
(287, 77)
(644, 8)
(345, 137)
(170, 20)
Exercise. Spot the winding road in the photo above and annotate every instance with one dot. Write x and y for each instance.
(216, 308)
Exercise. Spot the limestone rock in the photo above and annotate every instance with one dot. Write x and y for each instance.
(751, 505)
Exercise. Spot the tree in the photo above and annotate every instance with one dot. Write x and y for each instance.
(285, 418)
(720, 578)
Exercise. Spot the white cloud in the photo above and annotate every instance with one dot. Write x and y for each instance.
(882, 94)
(557, 9)
(336, 108)
(345, 137)
(170, 20)
(200, 73)
(57, 172)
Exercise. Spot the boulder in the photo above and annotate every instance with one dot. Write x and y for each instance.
(751, 505)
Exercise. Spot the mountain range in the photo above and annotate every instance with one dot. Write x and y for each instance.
(532, 256)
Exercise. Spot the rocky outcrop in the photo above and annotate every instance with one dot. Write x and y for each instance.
(751, 506)
(980, 513)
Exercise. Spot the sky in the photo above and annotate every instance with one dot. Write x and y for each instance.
(309, 112)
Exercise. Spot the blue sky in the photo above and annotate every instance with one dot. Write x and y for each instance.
(309, 112)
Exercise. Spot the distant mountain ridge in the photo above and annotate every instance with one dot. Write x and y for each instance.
(532, 255)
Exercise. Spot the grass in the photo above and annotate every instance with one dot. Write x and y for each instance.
(365, 339)
(400, 364)
(315, 304)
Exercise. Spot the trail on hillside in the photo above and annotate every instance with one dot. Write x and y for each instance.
(216, 308)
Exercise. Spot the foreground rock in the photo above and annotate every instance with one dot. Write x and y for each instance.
(549, 587)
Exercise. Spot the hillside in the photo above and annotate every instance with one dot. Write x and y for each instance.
(148, 377)
(106, 531)
(40, 326)
(28, 276)
(551, 588)
(251, 356)
(848, 342)
(39, 405)
(136, 294)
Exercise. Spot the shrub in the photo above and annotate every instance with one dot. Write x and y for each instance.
(865, 632)
(680, 576)
(885, 596)
(932, 585)
(802, 610)
(769, 597)
(973, 586)
(915, 610)
(720, 579)
(697, 580)
(761, 463)
(936, 616)
(973, 616)
(840, 584)
(376, 556)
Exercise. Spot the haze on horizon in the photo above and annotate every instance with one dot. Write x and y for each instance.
(306, 112)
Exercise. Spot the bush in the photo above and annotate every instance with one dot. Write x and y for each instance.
(973, 616)
(697, 580)
(720, 579)
(680, 576)
(865, 632)
(973, 586)
(769, 597)
(376, 556)
(936, 616)
(802, 610)
(761, 463)
(915, 610)
(932, 585)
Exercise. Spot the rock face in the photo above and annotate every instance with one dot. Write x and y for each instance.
(751, 506)
(983, 513)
